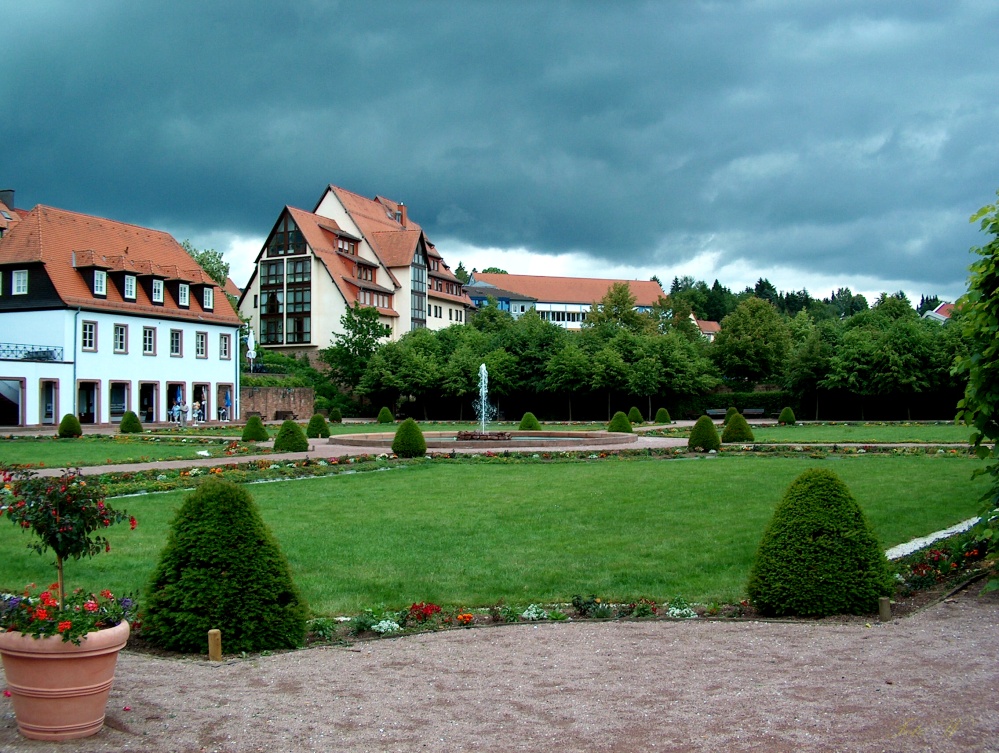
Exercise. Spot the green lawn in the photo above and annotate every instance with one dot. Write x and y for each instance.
(470, 535)
(869, 433)
(102, 450)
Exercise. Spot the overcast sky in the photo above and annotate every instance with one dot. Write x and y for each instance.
(817, 144)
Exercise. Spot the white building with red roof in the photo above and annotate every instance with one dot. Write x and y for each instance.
(98, 317)
(941, 313)
(349, 250)
(565, 301)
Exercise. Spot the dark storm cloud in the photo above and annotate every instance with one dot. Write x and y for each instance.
(845, 138)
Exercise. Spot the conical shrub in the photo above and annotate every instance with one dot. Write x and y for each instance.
(704, 435)
(221, 568)
(737, 430)
(317, 427)
(732, 410)
(409, 441)
(385, 416)
(529, 423)
(130, 423)
(662, 416)
(818, 556)
(336, 416)
(787, 417)
(619, 422)
(635, 415)
(69, 427)
(255, 431)
(290, 438)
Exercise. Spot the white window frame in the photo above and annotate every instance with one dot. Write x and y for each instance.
(225, 347)
(130, 287)
(149, 331)
(201, 345)
(19, 282)
(122, 330)
(179, 352)
(157, 291)
(100, 282)
(209, 299)
(92, 327)
(183, 294)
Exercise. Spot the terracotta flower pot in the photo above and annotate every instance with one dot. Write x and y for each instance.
(59, 690)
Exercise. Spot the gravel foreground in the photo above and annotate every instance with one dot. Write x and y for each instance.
(929, 682)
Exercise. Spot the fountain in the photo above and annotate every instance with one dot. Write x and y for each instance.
(485, 412)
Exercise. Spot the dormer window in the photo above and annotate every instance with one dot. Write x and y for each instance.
(183, 294)
(209, 299)
(157, 291)
(130, 287)
(100, 282)
(347, 246)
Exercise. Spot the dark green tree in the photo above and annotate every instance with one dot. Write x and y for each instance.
(979, 408)
(753, 343)
(350, 351)
(616, 310)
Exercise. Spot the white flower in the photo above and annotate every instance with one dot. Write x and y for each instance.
(386, 626)
(204, 453)
(533, 613)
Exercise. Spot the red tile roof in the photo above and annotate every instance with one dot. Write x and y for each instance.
(570, 289)
(945, 309)
(707, 327)
(68, 242)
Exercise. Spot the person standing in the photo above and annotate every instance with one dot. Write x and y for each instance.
(183, 413)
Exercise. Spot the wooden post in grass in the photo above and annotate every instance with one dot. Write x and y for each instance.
(884, 609)
(214, 645)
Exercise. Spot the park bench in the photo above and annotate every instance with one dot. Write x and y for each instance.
(716, 412)
(284, 415)
(754, 413)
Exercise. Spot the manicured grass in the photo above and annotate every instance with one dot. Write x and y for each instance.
(865, 433)
(101, 450)
(471, 535)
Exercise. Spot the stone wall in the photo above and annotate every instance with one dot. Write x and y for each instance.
(269, 401)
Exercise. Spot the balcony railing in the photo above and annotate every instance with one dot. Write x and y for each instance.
(21, 352)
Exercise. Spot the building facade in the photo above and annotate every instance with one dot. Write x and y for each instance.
(564, 301)
(348, 251)
(98, 317)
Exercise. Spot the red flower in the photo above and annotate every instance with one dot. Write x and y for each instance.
(107, 594)
(90, 606)
(64, 626)
(132, 522)
(41, 614)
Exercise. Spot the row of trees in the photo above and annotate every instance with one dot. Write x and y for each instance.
(880, 354)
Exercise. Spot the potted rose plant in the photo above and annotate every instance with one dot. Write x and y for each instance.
(59, 652)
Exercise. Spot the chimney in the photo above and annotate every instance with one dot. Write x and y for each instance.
(7, 197)
(400, 214)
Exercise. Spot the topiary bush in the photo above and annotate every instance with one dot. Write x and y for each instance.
(786, 417)
(255, 431)
(385, 416)
(818, 556)
(290, 438)
(317, 427)
(619, 422)
(130, 423)
(737, 430)
(69, 427)
(409, 441)
(704, 435)
(336, 416)
(529, 423)
(222, 568)
(662, 416)
(635, 416)
(732, 410)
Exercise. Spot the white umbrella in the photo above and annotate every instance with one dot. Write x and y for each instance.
(251, 344)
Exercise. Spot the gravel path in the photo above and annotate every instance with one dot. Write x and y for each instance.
(928, 682)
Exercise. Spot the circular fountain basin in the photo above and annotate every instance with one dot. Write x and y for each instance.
(442, 440)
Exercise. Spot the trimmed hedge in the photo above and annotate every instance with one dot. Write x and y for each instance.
(130, 423)
(409, 441)
(662, 416)
(635, 416)
(385, 416)
(69, 427)
(317, 427)
(787, 417)
(529, 423)
(732, 410)
(704, 436)
(619, 422)
(818, 556)
(336, 416)
(290, 438)
(692, 406)
(255, 431)
(222, 568)
(737, 430)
